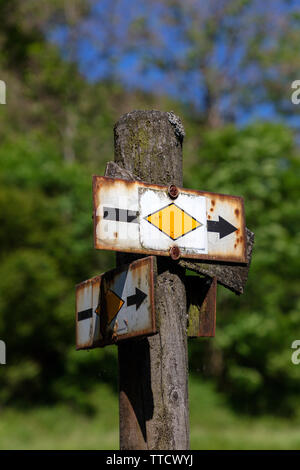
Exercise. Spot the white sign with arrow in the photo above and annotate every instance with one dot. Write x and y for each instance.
(116, 305)
(132, 216)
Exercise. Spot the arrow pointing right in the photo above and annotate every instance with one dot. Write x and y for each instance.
(221, 226)
(136, 299)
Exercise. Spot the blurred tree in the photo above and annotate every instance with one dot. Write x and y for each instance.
(226, 59)
(46, 248)
(251, 354)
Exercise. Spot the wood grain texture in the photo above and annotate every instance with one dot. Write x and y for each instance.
(153, 372)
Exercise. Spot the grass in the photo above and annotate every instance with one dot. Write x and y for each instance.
(213, 425)
(61, 427)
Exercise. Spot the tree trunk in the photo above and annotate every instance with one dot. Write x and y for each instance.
(153, 372)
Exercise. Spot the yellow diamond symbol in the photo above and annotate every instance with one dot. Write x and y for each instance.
(113, 305)
(173, 221)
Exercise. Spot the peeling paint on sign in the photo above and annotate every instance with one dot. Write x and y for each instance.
(201, 297)
(132, 216)
(87, 319)
(116, 305)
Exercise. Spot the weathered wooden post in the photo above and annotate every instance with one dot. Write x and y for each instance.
(201, 231)
(153, 372)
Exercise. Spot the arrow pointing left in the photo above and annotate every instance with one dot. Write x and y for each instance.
(85, 314)
(136, 299)
(110, 307)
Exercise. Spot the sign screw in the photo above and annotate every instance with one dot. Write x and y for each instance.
(174, 252)
(173, 191)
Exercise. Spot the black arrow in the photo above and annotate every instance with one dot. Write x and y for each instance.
(120, 215)
(223, 227)
(85, 314)
(136, 299)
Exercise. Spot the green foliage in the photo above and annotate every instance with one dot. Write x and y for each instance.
(255, 331)
(57, 130)
(46, 248)
(213, 425)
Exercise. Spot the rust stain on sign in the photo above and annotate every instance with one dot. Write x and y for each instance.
(87, 313)
(132, 216)
(117, 305)
(201, 295)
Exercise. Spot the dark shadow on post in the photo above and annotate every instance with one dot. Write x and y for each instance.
(139, 400)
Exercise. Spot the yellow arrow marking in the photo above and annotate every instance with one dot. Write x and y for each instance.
(173, 221)
(113, 305)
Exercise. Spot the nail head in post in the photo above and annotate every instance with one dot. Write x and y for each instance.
(175, 252)
(173, 191)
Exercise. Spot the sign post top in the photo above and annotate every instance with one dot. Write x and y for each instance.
(133, 216)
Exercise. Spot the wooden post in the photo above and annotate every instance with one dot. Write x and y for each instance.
(153, 372)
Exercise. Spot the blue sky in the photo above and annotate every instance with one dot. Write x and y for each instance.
(102, 52)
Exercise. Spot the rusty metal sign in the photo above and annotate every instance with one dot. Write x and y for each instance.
(201, 296)
(132, 216)
(116, 305)
(87, 320)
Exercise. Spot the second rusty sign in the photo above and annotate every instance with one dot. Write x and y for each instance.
(116, 305)
(132, 216)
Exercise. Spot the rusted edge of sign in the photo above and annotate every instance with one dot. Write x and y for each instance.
(90, 344)
(242, 260)
(201, 296)
(113, 338)
(233, 277)
(104, 337)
